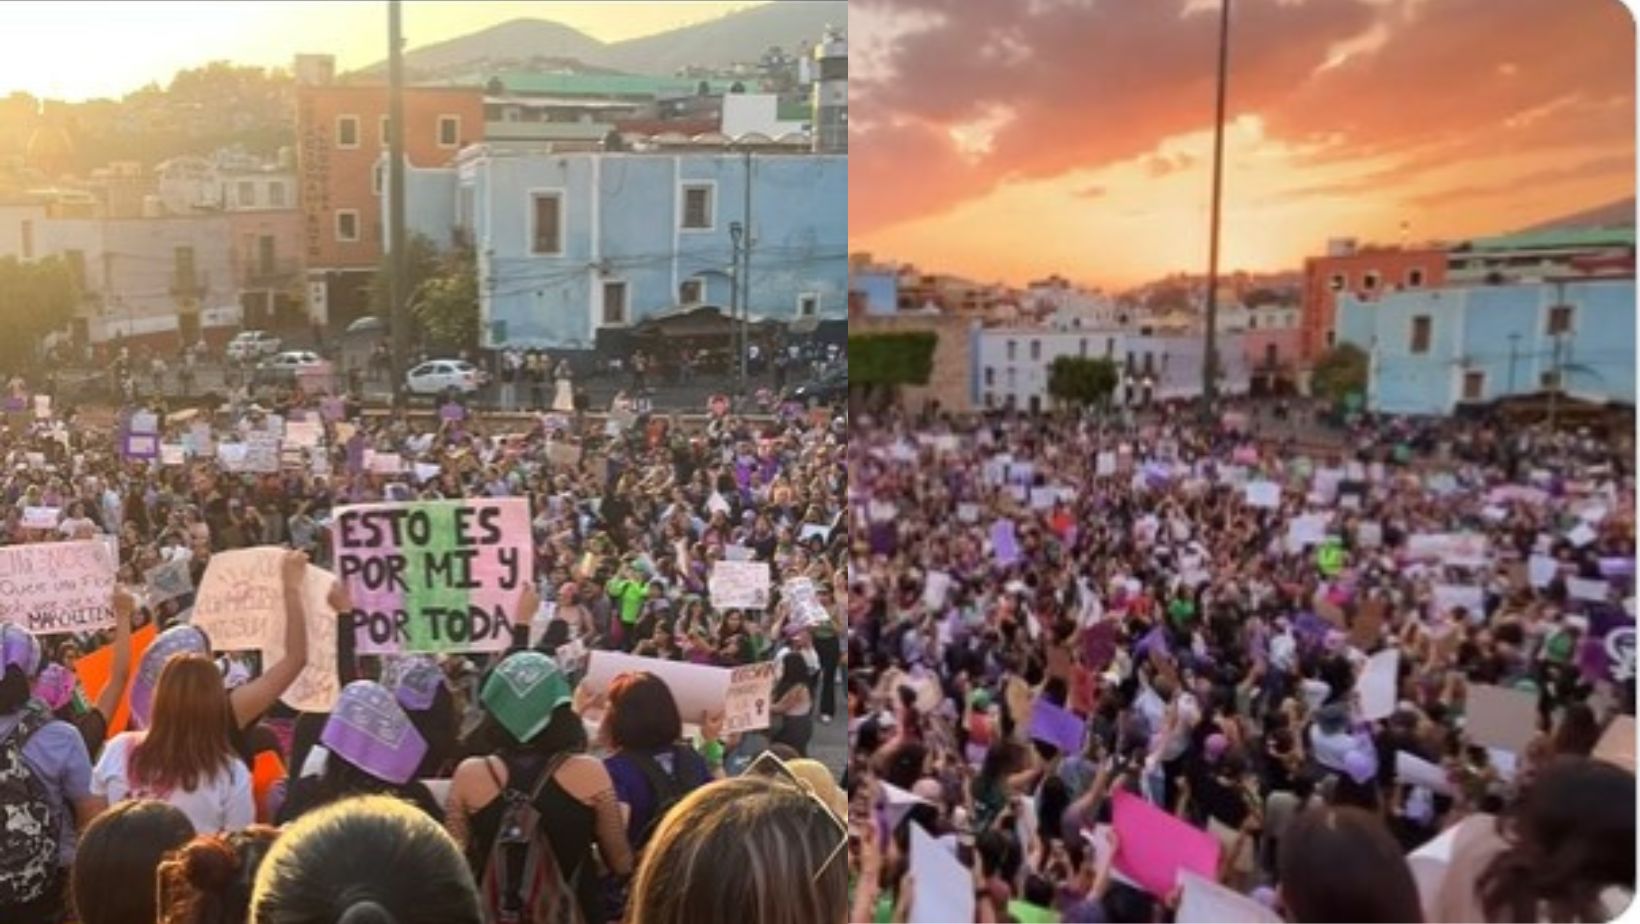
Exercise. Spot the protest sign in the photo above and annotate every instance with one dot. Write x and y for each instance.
(739, 585)
(140, 446)
(1105, 464)
(806, 609)
(1444, 598)
(1581, 535)
(1469, 550)
(738, 553)
(814, 531)
(567, 455)
(945, 889)
(1263, 494)
(261, 452)
(936, 584)
(1377, 686)
(1004, 543)
(304, 434)
(1056, 726)
(1500, 717)
(1156, 845)
(698, 688)
(1541, 570)
(240, 606)
(1595, 591)
(750, 694)
(1415, 771)
(1203, 901)
(426, 472)
(384, 463)
(168, 581)
(45, 518)
(1369, 535)
(42, 407)
(1307, 530)
(172, 454)
(434, 575)
(56, 587)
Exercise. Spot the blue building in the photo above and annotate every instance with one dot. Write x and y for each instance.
(1433, 349)
(569, 243)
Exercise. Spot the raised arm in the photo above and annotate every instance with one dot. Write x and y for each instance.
(257, 696)
(109, 699)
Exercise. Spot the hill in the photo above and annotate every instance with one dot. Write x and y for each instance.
(739, 36)
(1618, 214)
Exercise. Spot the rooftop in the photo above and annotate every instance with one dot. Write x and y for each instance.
(1555, 239)
(534, 84)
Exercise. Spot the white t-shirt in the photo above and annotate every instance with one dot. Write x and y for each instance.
(224, 802)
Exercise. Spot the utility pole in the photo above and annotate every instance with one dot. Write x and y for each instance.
(398, 280)
(745, 273)
(1514, 341)
(737, 333)
(1210, 356)
(1554, 393)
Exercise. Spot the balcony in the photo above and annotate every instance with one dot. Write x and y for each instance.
(190, 286)
(259, 274)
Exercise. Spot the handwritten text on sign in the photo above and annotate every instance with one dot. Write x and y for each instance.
(434, 575)
(739, 585)
(57, 587)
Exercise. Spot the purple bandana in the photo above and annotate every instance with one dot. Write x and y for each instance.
(369, 730)
(414, 681)
(172, 642)
(55, 687)
(18, 647)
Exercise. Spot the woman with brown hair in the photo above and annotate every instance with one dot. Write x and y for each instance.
(209, 879)
(187, 757)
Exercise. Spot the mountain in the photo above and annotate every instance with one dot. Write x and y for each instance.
(739, 36)
(1618, 214)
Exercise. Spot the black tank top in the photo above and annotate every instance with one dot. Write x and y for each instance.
(570, 825)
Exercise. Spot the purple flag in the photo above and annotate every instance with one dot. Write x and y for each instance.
(1058, 727)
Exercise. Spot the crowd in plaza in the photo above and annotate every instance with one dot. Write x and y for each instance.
(151, 772)
(1160, 669)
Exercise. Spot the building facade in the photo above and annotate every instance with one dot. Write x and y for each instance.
(1012, 364)
(1433, 350)
(571, 243)
(341, 140)
(831, 94)
(1365, 274)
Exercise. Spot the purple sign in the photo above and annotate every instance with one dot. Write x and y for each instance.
(1607, 651)
(370, 730)
(140, 446)
(1058, 727)
(452, 412)
(1004, 543)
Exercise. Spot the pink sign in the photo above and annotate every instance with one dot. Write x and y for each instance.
(1156, 845)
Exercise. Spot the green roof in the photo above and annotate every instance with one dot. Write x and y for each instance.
(1557, 238)
(526, 83)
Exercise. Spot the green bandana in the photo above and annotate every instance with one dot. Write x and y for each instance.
(523, 692)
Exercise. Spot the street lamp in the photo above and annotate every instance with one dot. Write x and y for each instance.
(736, 234)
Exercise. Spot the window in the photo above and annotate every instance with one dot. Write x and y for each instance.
(1084, 348)
(1337, 282)
(1036, 349)
(276, 194)
(1369, 281)
(347, 225)
(347, 131)
(1560, 319)
(266, 253)
(546, 224)
(697, 207)
(990, 376)
(1011, 378)
(377, 175)
(1012, 350)
(182, 262)
(615, 302)
(1415, 278)
(1110, 347)
(691, 292)
(1150, 363)
(28, 240)
(449, 131)
(1474, 385)
(808, 305)
(247, 193)
(1271, 355)
(381, 130)
(1420, 334)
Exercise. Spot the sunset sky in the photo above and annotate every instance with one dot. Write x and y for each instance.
(1010, 140)
(70, 50)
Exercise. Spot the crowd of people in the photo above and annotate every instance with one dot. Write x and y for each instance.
(1151, 668)
(439, 788)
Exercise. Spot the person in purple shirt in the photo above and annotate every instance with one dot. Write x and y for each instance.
(650, 763)
(54, 752)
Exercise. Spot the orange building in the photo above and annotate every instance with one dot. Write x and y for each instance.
(1365, 273)
(341, 136)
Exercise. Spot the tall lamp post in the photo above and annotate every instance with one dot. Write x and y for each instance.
(1210, 355)
(737, 233)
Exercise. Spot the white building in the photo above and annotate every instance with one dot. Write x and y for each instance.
(229, 182)
(1274, 317)
(758, 113)
(1011, 364)
(831, 94)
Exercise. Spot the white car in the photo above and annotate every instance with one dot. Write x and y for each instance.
(252, 344)
(435, 376)
(283, 367)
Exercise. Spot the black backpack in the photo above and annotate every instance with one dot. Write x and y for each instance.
(669, 788)
(28, 826)
(522, 882)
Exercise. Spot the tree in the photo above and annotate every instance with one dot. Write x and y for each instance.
(1341, 371)
(36, 298)
(880, 363)
(1081, 381)
(446, 308)
(424, 264)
